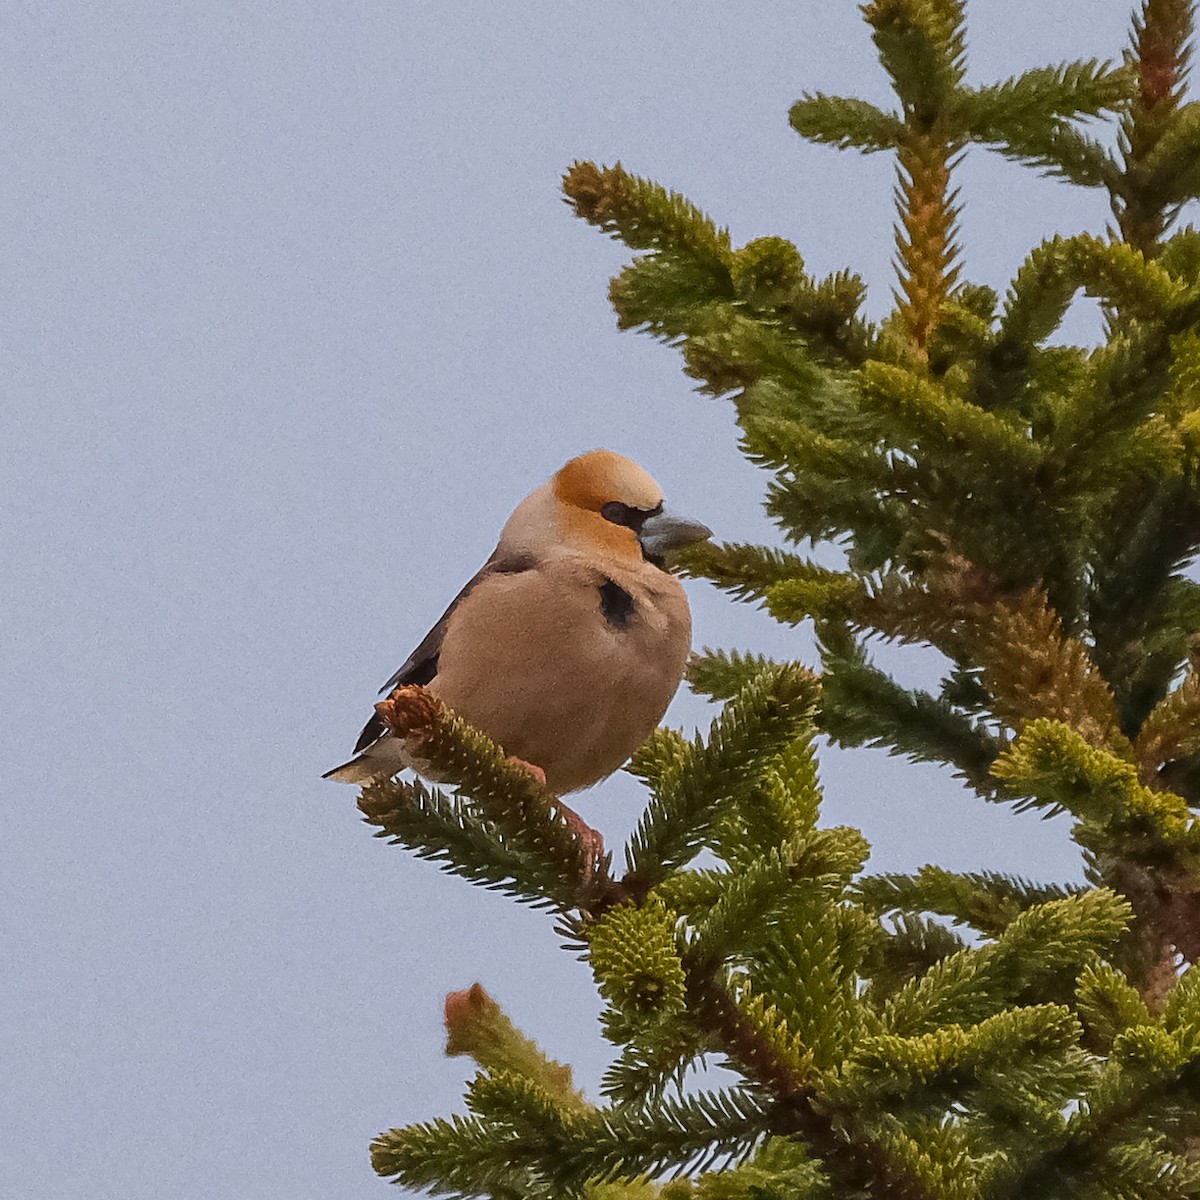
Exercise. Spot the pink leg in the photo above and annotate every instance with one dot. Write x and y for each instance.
(533, 770)
(590, 839)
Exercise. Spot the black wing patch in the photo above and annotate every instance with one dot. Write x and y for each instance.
(616, 604)
(422, 664)
(372, 731)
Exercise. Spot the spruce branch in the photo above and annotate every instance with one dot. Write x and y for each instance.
(1041, 95)
(1040, 952)
(636, 963)
(809, 973)
(749, 572)
(1060, 152)
(789, 1044)
(732, 352)
(757, 903)
(930, 1072)
(926, 231)
(1115, 273)
(863, 706)
(851, 1161)
(648, 1065)
(447, 830)
(797, 446)
(721, 674)
(644, 215)
(1032, 670)
(766, 273)
(911, 945)
(692, 782)
(780, 1168)
(826, 314)
(985, 900)
(456, 1156)
(1171, 733)
(1127, 379)
(675, 1135)
(1038, 298)
(833, 480)
(1108, 1005)
(1181, 254)
(1149, 1087)
(1057, 766)
(922, 47)
(1124, 277)
(924, 413)
(1026, 118)
(669, 296)
(814, 506)
(523, 1110)
(1142, 611)
(477, 1026)
(786, 809)
(504, 794)
(1160, 52)
(846, 123)
(1171, 170)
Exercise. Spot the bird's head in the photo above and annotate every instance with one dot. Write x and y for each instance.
(607, 502)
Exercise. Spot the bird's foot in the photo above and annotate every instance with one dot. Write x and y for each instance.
(531, 768)
(590, 840)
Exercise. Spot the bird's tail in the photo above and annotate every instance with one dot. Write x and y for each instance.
(358, 770)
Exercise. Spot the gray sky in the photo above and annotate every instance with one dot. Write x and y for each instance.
(293, 317)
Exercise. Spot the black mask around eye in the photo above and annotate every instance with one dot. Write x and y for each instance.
(627, 515)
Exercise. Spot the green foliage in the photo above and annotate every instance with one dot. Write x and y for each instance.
(477, 1026)
(1064, 92)
(446, 830)
(1040, 953)
(643, 215)
(863, 706)
(505, 831)
(854, 1036)
(780, 1170)
(1054, 765)
(1173, 168)
(985, 901)
(922, 47)
(933, 1071)
(846, 123)
(636, 964)
(754, 572)
(1108, 1005)
(721, 674)
(1029, 508)
(692, 782)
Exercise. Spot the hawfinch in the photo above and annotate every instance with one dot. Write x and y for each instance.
(568, 645)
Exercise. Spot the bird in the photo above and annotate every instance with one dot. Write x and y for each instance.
(566, 647)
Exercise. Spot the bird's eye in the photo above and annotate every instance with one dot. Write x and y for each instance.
(626, 514)
(622, 514)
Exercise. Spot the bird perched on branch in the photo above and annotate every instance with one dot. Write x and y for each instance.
(567, 646)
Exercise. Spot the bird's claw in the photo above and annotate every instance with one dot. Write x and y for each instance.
(530, 768)
(591, 841)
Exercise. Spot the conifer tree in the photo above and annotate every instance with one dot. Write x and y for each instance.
(1027, 508)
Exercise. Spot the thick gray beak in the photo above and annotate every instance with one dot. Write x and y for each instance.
(664, 532)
